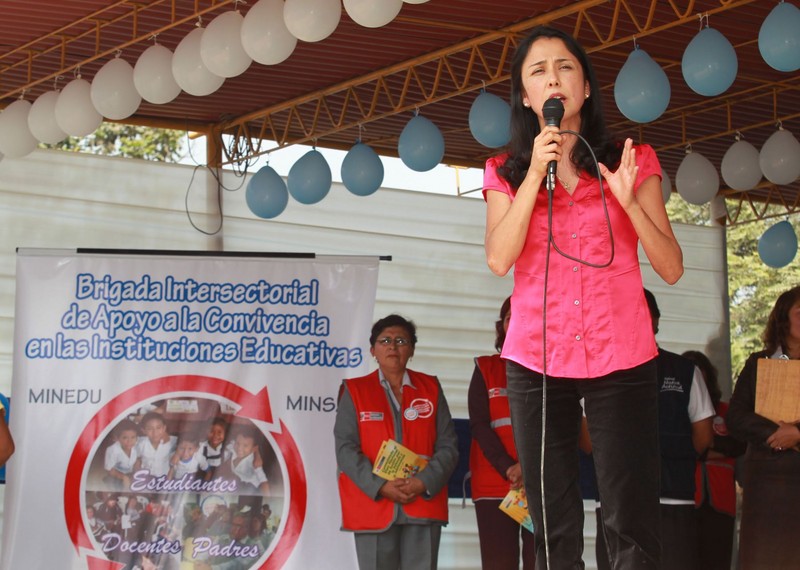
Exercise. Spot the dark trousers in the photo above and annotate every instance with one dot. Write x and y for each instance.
(678, 538)
(500, 536)
(715, 538)
(622, 414)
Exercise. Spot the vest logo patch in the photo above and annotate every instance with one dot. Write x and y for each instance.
(497, 392)
(671, 384)
(422, 406)
(370, 416)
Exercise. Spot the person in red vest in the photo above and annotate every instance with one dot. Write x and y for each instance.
(397, 524)
(715, 485)
(493, 460)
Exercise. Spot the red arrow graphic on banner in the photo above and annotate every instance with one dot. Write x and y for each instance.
(252, 406)
(256, 406)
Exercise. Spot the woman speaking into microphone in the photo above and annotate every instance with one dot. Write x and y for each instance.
(580, 327)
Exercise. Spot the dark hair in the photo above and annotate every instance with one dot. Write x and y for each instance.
(393, 320)
(190, 436)
(652, 305)
(709, 373)
(525, 126)
(500, 337)
(776, 332)
(150, 416)
(126, 425)
(218, 421)
(249, 432)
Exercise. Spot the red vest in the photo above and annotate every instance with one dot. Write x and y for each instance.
(716, 476)
(486, 481)
(375, 425)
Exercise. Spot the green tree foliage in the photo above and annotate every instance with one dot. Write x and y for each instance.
(753, 286)
(116, 139)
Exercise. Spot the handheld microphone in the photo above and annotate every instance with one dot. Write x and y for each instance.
(552, 112)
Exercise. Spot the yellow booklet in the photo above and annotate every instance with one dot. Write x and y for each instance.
(394, 461)
(515, 505)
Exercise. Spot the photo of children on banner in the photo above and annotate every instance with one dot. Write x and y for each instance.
(245, 463)
(188, 458)
(156, 446)
(214, 446)
(189, 476)
(122, 455)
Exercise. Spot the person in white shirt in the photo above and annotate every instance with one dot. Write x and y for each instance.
(156, 447)
(121, 456)
(246, 461)
(685, 432)
(214, 447)
(188, 458)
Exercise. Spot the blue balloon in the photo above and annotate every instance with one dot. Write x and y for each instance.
(310, 178)
(490, 120)
(779, 37)
(266, 193)
(421, 144)
(778, 245)
(362, 170)
(709, 63)
(642, 89)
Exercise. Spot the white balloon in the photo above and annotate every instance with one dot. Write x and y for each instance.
(113, 93)
(265, 36)
(740, 169)
(189, 70)
(75, 113)
(697, 180)
(16, 139)
(372, 14)
(666, 186)
(221, 46)
(780, 158)
(42, 119)
(312, 20)
(152, 75)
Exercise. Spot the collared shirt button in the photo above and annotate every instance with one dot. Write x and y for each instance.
(575, 268)
(571, 202)
(574, 236)
(577, 337)
(577, 302)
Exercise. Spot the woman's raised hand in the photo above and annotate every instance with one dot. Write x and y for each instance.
(622, 181)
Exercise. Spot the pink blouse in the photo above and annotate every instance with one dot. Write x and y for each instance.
(597, 318)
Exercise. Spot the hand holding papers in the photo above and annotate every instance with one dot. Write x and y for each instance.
(394, 461)
(515, 505)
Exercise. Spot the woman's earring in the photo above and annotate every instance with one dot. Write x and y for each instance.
(586, 96)
(526, 104)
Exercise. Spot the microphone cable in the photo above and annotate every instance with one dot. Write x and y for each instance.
(551, 240)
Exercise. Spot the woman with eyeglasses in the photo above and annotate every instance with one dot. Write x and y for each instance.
(396, 524)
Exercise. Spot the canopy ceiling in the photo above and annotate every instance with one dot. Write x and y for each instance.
(434, 56)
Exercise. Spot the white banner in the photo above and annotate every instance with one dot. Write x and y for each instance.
(129, 370)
